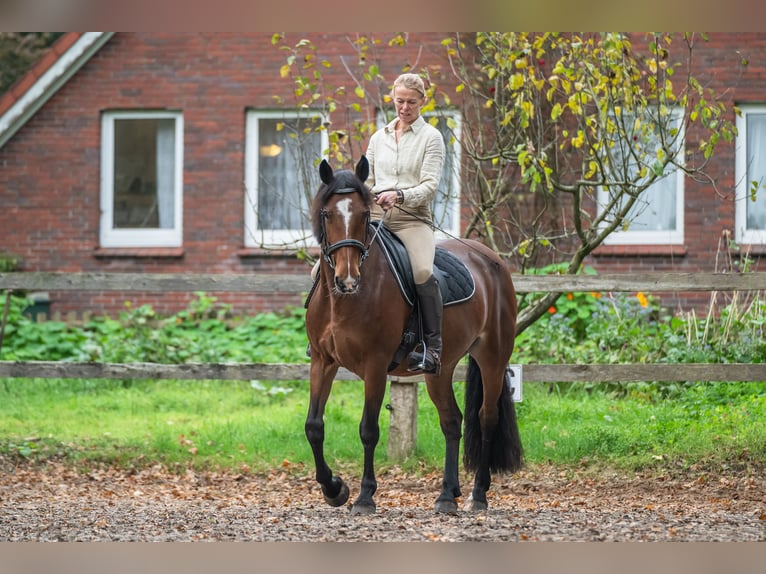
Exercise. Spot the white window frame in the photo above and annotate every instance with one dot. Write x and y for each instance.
(654, 237)
(254, 236)
(139, 237)
(742, 194)
(454, 201)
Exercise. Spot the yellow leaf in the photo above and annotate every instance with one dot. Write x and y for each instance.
(359, 92)
(459, 88)
(284, 71)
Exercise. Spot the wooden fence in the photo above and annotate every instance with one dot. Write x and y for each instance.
(403, 392)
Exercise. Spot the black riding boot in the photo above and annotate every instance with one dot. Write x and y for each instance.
(428, 357)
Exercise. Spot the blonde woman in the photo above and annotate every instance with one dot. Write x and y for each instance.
(406, 158)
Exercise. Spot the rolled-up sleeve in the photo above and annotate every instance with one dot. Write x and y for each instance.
(424, 190)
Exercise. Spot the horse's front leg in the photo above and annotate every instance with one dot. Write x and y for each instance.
(322, 374)
(369, 432)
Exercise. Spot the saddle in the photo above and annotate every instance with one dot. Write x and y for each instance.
(455, 283)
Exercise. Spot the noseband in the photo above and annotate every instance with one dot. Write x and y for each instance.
(328, 250)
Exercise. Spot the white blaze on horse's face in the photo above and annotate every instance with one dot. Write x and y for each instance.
(344, 207)
(351, 278)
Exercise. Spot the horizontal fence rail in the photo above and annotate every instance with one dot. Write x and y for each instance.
(403, 395)
(539, 373)
(297, 283)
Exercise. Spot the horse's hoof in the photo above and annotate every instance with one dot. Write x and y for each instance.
(472, 505)
(364, 508)
(340, 499)
(445, 507)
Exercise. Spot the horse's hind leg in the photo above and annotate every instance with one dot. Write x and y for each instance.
(482, 415)
(334, 489)
(443, 396)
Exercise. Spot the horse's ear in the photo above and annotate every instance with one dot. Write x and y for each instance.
(363, 168)
(325, 172)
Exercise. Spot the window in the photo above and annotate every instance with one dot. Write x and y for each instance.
(141, 179)
(445, 208)
(281, 177)
(750, 173)
(657, 217)
(446, 204)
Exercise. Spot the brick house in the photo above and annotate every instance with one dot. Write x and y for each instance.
(155, 152)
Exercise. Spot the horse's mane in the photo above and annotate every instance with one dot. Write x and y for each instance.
(344, 179)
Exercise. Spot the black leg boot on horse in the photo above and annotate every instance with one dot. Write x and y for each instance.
(428, 358)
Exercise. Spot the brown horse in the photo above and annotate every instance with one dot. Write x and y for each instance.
(355, 318)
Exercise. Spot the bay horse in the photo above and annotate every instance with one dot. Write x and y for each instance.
(355, 318)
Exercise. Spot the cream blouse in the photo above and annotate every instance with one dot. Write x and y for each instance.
(414, 165)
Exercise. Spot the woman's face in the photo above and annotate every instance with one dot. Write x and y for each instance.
(407, 103)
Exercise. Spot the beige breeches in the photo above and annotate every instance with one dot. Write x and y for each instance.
(418, 239)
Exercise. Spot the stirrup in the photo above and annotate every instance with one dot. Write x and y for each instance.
(428, 361)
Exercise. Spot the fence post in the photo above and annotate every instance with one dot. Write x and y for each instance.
(403, 426)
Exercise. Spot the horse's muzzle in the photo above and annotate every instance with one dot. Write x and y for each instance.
(347, 285)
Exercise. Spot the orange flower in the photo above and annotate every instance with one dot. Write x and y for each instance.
(643, 301)
(570, 296)
(551, 310)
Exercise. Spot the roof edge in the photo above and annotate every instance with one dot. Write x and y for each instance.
(49, 82)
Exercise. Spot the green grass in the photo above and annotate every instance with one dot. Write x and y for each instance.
(259, 424)
(236, 425)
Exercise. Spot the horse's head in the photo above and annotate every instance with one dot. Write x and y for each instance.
(339, 216)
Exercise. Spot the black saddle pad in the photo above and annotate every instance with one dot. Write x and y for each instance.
(455, 280)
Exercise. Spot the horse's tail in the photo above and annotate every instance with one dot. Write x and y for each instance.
(506, 453)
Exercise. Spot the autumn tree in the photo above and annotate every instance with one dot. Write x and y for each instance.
(564, 137)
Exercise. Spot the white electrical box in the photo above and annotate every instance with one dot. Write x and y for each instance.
(514, 380)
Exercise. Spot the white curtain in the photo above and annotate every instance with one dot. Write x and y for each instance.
(655, 209)
(166, 173)
(286, 173)
(756, 170)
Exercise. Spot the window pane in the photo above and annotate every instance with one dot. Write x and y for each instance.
(440, 207)
(286, 174)
(144, 158)
(756, 170)
(655, 209)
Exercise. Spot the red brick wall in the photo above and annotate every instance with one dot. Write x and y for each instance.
(49, 170)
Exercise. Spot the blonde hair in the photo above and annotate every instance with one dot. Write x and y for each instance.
(411, 82)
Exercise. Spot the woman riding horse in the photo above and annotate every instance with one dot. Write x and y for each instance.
(355, 318)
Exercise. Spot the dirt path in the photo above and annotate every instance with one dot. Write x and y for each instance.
(53, 503)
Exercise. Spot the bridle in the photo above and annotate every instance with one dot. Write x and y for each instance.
(329, 249)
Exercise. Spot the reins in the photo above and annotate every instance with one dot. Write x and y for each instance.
(328, 250)
(437, 228)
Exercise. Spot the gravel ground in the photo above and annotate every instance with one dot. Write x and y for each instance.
(53, 503)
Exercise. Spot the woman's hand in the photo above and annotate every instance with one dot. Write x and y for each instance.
(386, 199)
